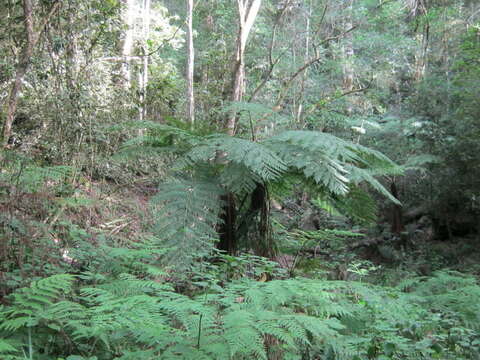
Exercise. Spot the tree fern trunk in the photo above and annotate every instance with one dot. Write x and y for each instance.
(227, 229)
(397, 222)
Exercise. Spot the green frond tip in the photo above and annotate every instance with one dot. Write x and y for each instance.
(333, 163)
(7, 348)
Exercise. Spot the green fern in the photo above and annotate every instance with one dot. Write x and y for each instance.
(335, 166)
(32, 304)
(127, 317)
(29, 177)
(32, 307)
(8, 349)
(332, 162)
(255, 157)
(187, 212)
(188, 209)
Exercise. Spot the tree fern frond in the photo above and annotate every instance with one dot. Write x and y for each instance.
(187, 212)
(159, 138)
(331, 161)
(359, 175)
(374, 159)
(358, 204)
(255, 157)
(239, 179)
(8, 349)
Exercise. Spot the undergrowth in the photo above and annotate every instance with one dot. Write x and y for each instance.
(134, 312)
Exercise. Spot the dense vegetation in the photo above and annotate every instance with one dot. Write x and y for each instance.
(241, 179)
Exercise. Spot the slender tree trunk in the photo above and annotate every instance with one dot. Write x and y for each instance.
(421, 55)
(348, 54)
(299, 111)
(23, 64)
(227, 228)
(247, 11)
(418, 9)
(144, 72)
(126, 44)
(190, 64)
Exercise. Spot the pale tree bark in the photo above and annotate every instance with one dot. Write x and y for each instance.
(247, 12)
(126, 43)
(190, 64)
(144, 73)
(299, 112)
(32, 37)
(418, 8)
(348, 55)
(421, 55)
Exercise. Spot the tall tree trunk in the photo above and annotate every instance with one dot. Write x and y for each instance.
(421, 55)
(190, 64)
(227, 228)
(299, 112)
(247, 12)
(418, 10)
(348, 54)
(23, 64)
(126, 43)
(144, 72)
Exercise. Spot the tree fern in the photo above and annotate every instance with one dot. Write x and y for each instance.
(189, 208)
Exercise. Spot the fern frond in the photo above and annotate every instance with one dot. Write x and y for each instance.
(258, 159)
(30, 177)
(38, 297)
(360, 175)
(332, 162)
(8, 349)
(358, 205)
(242, 336)
(159, 138)
(187, 212)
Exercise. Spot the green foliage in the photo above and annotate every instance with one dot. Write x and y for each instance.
(187, 211)
(80, 279)
(126, 316)
(333, 163)
(27, 176)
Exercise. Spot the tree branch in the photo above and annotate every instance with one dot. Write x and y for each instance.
(45, 22)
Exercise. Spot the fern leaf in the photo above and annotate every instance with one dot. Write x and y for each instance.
(187, 212)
